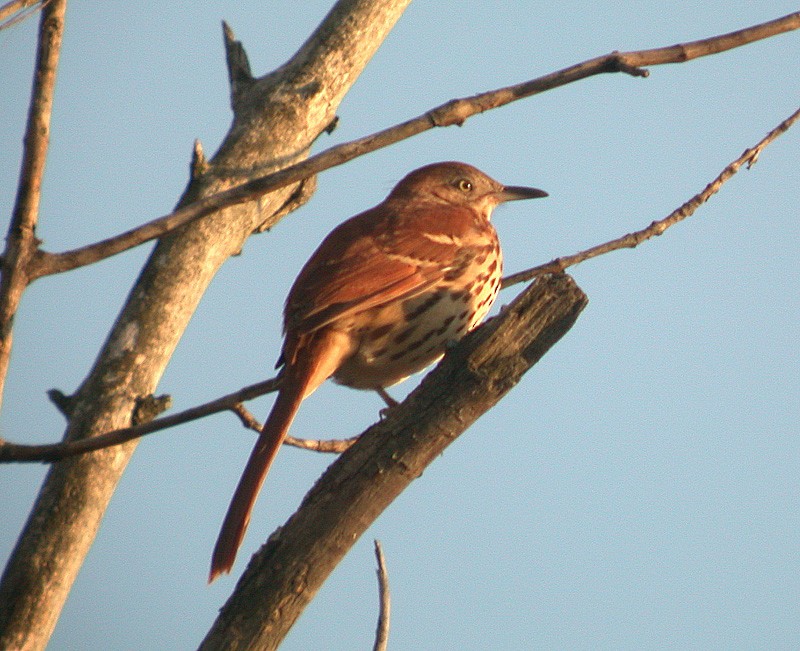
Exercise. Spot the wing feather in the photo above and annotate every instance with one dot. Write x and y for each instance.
(366, 262)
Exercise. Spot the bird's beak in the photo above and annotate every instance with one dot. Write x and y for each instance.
(517, 192)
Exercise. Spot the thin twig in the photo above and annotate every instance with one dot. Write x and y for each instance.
(632, 240)
(16, 453)
(21, 242)
(12, 452)
(247, 418)
(16, 11)
(336, 446)
(382, 632)
(454, 112)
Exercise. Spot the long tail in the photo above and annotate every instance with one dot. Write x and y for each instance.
(261, 458)
(319, 360)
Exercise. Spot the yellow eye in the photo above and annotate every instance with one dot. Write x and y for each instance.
(464, 185)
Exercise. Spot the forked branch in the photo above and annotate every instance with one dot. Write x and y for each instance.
(454, 112)
(21, 242)
(16, 453)
(12, 452)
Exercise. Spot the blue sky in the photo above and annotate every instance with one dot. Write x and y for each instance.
(638, 489)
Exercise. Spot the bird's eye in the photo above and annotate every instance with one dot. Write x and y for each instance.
(464, 185)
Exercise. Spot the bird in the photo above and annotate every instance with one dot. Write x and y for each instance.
(382, 297)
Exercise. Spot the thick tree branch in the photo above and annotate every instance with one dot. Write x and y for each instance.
(454, 112)
(273, 128)
(632, 240)
(21, 242)
(287, 572)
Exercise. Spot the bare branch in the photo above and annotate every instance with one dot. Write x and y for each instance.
(713, 45)
(274, 130)
(21, 242)
(454, 112)
(18, 10)
(199, 164)
(239, 74)
(332, 446)
(632, 240)
(11, 452)
(288, 571)
(382, 634)
(336, 446)
(248, 420)
(17, 453)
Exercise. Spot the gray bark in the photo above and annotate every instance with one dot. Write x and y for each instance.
(276, 118)
(287, 572)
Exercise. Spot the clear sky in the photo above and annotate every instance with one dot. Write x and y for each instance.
(639, 489)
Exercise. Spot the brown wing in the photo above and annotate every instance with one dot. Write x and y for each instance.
(373, 258)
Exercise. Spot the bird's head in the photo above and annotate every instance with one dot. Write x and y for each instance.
(459, 184)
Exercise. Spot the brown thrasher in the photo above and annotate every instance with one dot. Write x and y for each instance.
(380, 299)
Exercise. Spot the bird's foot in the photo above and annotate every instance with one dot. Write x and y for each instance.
(390, 402)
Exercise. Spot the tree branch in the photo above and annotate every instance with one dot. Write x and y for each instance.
(288, 571)
(632, 240)
(52, 452)
(18, 10)
(273, 128)
(335, 446)
(21, 242)
(12, 452)
(454, 112)
(239, 76)
(385, 601)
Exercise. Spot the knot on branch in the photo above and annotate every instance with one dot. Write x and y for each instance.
(455, 111)
(64, 403)
(199, 164)
(616, 62)
(148, 407)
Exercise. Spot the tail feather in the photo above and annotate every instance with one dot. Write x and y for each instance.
(321, 357)
(261, 458)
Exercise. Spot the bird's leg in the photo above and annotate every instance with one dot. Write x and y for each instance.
(390, 402)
